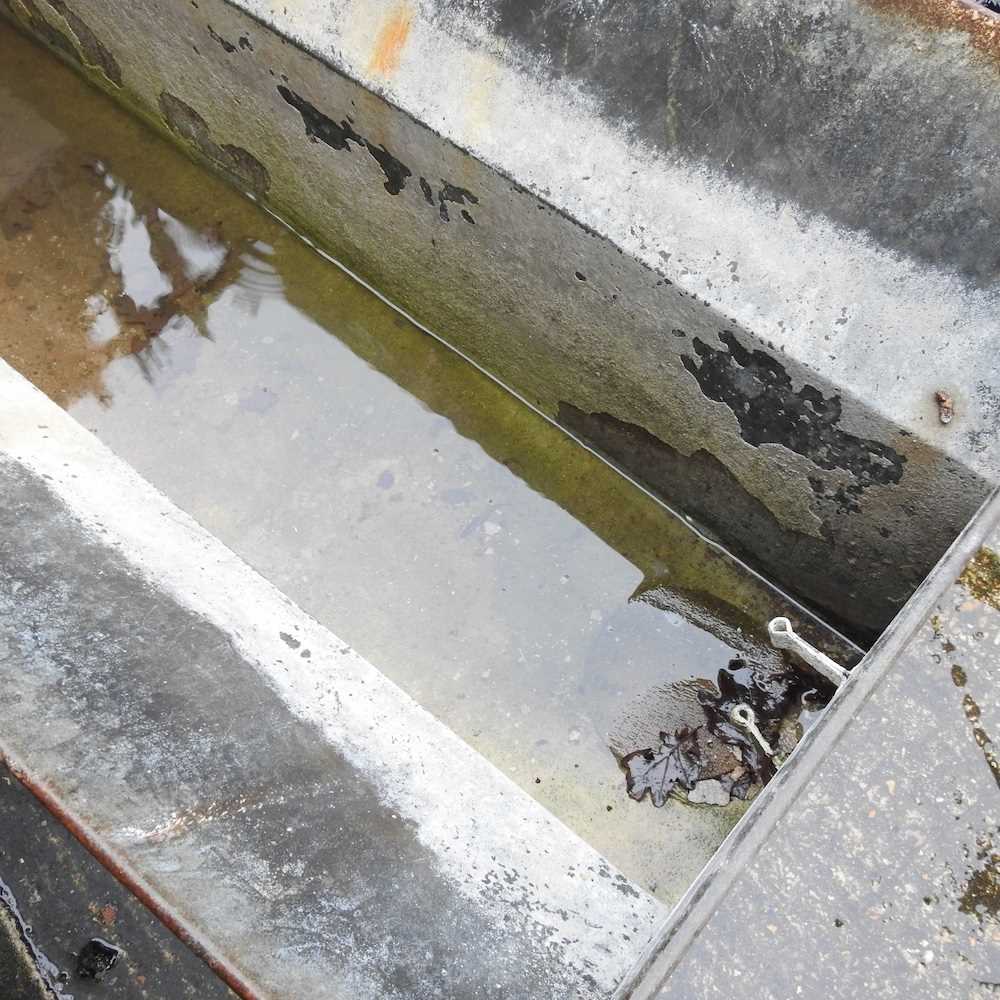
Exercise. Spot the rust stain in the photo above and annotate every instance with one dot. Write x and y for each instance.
(390, 41)
(981, 25)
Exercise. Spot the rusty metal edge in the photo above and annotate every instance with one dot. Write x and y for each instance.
(132, 881)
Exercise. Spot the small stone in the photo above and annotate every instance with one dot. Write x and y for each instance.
(96, 958)
(709, 792)
(946, 406)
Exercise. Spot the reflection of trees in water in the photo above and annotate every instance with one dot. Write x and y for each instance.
(188, 289)
(191, 287)
(91, 239)
(252, 280)
(152, 357)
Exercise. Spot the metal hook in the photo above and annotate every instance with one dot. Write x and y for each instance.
(783, 636)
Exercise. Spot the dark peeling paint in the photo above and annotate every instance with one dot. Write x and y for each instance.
(88, 49)
(95, 53)
(457, 196)
(241, 166)
(319, 126)
(759, 391)
(701, 484)
(227, 45)
(28, 14)
(339, 135)
(395, 171)
(622, 884)
(289, 640)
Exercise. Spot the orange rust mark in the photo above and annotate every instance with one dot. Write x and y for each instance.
(981, 25)
(390, 41)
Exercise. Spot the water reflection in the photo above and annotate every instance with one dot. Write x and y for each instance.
(507, 579)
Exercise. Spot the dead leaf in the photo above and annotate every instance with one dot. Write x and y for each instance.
(675, 762)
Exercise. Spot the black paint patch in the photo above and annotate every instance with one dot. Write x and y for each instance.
(825, 570)
(241, 166)
(95, 53)
(245, 43)
(319, 126)
(769, 410)
(339, 135)
(227, 45)
(455, 194)
(395, 171)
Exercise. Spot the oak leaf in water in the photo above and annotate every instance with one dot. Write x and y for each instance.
(675, 762)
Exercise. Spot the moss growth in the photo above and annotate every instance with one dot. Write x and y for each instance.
(981, 577)
(981, 896)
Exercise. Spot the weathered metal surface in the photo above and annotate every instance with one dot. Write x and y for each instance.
(509, 580)
(67, 897)
(871, 864)
(313, 827)
(669, 271)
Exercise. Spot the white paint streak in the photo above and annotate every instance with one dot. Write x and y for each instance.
(472, 817)
(827, 296)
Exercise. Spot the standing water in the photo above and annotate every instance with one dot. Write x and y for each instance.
(512, 583)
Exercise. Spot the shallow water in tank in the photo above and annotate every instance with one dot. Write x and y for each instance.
(510, 581)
